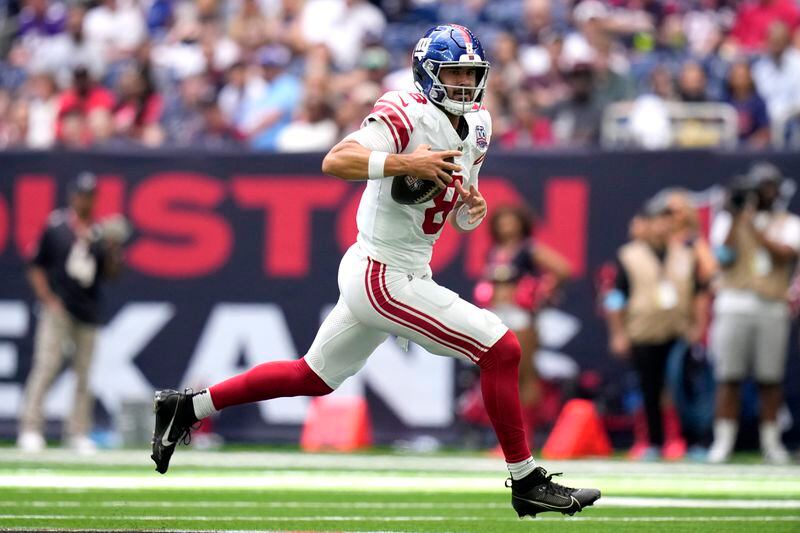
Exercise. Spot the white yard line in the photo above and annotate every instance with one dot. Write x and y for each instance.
(323, 518)
(433, 518)
(433, 464)
(354, 482)
(612, 501)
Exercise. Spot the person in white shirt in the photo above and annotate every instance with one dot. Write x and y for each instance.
(777, 73)
(757, 246)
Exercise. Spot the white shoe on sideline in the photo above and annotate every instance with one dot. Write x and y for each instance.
(720, 452)
(776, 455)
(31, 442)
(82, 445)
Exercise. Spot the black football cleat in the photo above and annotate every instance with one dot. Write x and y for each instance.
(174, 420)
(537, 493)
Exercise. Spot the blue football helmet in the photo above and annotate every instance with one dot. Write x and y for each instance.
(449, 45)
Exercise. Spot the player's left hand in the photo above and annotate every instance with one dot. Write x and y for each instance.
(474, 200)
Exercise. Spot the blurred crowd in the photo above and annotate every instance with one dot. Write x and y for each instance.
(295, 75)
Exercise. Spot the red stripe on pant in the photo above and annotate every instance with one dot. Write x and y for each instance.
(379, 298)
(464, 337)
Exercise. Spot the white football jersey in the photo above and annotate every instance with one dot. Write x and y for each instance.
(403, 235)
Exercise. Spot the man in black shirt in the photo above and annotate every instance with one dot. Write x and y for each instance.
(72, 258)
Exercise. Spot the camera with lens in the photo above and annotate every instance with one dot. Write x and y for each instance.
(741, 192)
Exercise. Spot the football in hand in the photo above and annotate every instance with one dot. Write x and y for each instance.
(408, 190)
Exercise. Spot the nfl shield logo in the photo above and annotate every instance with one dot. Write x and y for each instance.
(480, 137)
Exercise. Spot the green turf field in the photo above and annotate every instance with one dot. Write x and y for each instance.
(284, 491)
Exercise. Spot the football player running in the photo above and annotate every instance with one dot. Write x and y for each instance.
(384, 279)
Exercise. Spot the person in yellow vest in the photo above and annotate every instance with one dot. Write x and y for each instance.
(657, 300)
(757, 243)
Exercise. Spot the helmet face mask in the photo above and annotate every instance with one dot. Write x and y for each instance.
(450, 46)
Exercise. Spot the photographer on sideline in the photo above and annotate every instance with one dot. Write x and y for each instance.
(756, 243)
(74, 255)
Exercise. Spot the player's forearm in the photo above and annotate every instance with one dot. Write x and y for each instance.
(41, 288)
(616, 326)
(701, 311)
(114, 261)
(350, 161)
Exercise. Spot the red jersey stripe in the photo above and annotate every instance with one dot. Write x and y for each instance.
(397, 121)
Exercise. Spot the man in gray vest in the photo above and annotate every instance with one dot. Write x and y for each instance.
(756, 243)
(657, 299)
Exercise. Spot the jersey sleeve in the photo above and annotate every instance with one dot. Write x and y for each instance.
(397, 112)
(373, 135)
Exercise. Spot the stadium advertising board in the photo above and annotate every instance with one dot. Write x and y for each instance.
(233, 262)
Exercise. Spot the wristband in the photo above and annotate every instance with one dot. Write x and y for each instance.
(462, 218)
(377, 160)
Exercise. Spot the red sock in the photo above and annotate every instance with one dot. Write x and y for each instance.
(266, 381)
(500, 388)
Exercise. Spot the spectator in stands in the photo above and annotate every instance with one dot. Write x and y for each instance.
(250, 28)
(13, 68)
(183, 120)
(117, 27)
(754, 19)
(344, 26)
(777, 73)
(662, 84)
(40, 19)
(42, 112)
(13, 122)
(576, 121)
(547, 81)
(158, 17)
(217, 132)
(61, 53)
(507, 73)
(753, 119)
(219, 51)
(373, 68)
(242, 84)
(656, 301)
(74, 130)
(757, 244)
(267, 114)
(84, 97)
(692, 83)
(139, 106)
(355, 106)
(527, 127)
(313, 129)
(70, 262)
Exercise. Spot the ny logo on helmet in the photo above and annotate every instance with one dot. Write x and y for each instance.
(422, 48)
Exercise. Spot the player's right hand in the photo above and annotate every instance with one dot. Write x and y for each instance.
(430, 165)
